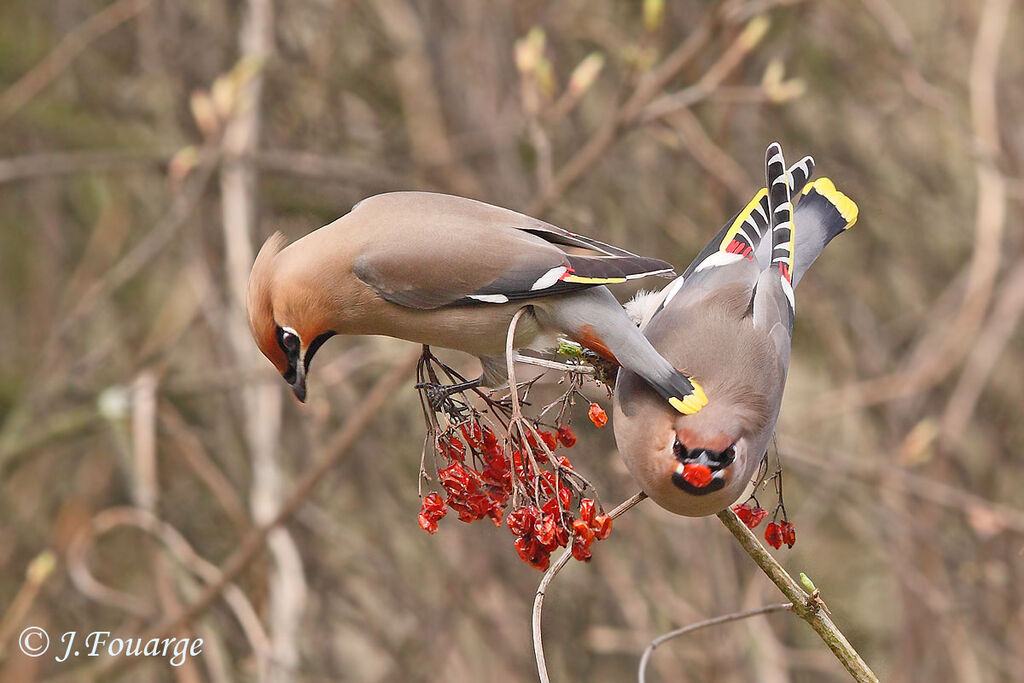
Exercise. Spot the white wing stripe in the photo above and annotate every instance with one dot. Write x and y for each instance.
(549, 278)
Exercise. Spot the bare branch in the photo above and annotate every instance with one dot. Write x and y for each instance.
(70, 46)
(806, 606)
(715, 621)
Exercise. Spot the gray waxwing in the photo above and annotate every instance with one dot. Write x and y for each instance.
(728, 322)
(451, 272)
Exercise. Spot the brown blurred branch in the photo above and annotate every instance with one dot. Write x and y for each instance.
(627, 114)
(253, 544)
(287, 161)
(709, 155)
(429, 142)
(724, 619)
(39, 570)
(195, 456)
(990, 222)
(70, 46)
(716, 74)
(179, 548)
(806, 606)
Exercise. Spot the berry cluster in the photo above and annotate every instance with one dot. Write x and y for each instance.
(776, 533)
(481, 476)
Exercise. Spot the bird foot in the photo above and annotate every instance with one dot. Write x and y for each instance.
(438, 394)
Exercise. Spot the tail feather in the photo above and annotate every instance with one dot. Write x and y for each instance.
(781, 210)
(822, 213)
(743, 233)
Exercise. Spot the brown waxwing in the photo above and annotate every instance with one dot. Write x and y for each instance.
(448, 271)
(728, 322)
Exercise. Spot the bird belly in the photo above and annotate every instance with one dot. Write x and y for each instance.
(476, 329)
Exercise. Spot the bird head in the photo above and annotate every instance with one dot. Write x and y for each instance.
(692, 465)
(286, 322)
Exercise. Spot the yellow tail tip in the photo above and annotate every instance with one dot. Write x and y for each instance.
(693, 402)
(846, 207)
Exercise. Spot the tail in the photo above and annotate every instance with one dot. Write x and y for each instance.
(821, 213)
(780, 210)
(744, 232)
(596, 320)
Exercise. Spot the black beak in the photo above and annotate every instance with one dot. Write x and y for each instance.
(296, 378)
(299, 388)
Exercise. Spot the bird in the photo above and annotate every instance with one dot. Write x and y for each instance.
(442, 270)
(727, 321)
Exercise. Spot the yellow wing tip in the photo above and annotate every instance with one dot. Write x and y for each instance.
(593, 280)
(846, 207)
(693, 402)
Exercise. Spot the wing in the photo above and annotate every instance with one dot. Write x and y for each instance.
(430, 250)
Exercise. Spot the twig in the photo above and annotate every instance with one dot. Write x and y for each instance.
(182, 551)
(255, 541)
(625, 116)
(70, 46)
(39, 570)
(806, 606)
(580, 369)
(746, 41)
(989, 225)
(285, 161)
(724, 619)
(538, 601)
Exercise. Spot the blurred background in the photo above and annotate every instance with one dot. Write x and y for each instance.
(148, 147)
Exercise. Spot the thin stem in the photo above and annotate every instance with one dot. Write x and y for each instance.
(806, 606)
(724, 619)
(554, 365)
(538, 601)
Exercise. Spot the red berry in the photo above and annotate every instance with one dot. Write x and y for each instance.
(473, 433)
(587, 510)
(427, 523)
(788, 533)
(597, 415)
(583, 537)
(521, 520)
(566, 436)
(544, 530)
(452, 448)
(531, 552)
(602, 526)
(490, 440)
(455, 479)
(435, 504)
(751, 515)
(697, 474)
(549, 440)
(773, 534)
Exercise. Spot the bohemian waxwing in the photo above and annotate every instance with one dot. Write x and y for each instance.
(451, 272)
(728, 322)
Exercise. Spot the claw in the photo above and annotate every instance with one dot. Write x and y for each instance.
(438, 394)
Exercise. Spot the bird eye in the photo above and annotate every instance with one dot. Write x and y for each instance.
(288, 340)
(679, 450)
